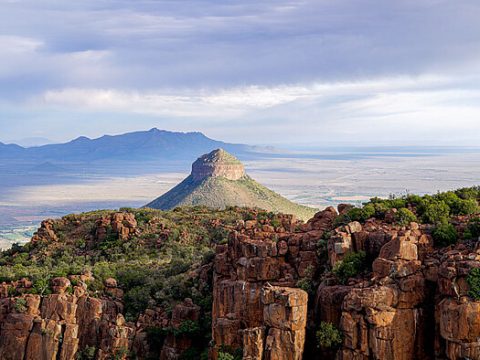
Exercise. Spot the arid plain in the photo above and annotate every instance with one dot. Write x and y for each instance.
(315, 180)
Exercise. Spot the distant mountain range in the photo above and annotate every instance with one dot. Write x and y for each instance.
(137, 146)
(218, 180)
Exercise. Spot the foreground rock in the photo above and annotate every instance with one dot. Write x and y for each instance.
(256, 306)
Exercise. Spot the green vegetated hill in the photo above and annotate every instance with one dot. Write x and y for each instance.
(165, 257)
(153, 264)
(219, 193)
(218, 180)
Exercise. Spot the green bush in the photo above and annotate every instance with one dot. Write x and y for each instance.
(444, 235)
(20, 305)
(473, 229)
(225, 356)
(473, 280)
(88, 353)
(328, 336)
(465, 207)
(436, 212)
(228, 353)
(351, 265)
(306, 284)
(404, 217)
(188, 327)
(356, 214)
(469, 193)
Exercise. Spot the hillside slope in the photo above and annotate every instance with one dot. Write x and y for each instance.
(218, 180)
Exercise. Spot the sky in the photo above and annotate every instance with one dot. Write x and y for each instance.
(316, 72)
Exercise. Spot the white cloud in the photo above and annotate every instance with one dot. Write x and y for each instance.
(18, 45)
(431, 108)
(234, 101)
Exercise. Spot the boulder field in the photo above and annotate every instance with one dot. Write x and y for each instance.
(272, 288)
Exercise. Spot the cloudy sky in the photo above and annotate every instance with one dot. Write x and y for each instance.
(319, 72)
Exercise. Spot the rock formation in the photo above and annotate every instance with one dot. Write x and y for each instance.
(274, 281)
(256, 305)
(218, 163)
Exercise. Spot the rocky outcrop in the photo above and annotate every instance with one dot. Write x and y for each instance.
(413, 301)
(60, 325)
(283, 334)
(256, 306)
(217, 163)
(119, 225)
(174, 346)
(414, 304)
(45, 233)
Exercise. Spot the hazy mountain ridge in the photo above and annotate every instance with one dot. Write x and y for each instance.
(138, 146)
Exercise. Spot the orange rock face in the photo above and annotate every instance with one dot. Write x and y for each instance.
(121, 225)
(414, 305)
(59, 325)
(413, 302)
(256, 306)
(45, 233)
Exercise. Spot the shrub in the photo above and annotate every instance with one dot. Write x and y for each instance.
(356, 214)
(228, 353)
(465, 207)
(436, 212)
(368, 211)
(351, 265)
(473, 228)
(306, 284)
(404, 216)
(41, 285)
(188, 327)
(136, 300)
(88, 353)
(469, 193)
(225, 356)
(328, 336)
(473, 280)
(20, 305)
(380, 210)
(445, 235)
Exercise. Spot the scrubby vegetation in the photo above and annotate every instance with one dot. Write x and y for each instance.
(228, 353)
(444, 235)
(473, 229)
(352, 264)
(432, 209)
(473, 280)
(328, 336)
(307, 283)
(404, 217)
(153, 267)
(156, 266)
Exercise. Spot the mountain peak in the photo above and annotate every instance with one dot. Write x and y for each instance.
(218, 180)
(217, 163)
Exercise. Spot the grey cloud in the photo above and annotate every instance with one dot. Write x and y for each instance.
(201, 43)
(185, 46)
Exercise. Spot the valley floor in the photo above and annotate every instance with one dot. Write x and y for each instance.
(318, 181)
